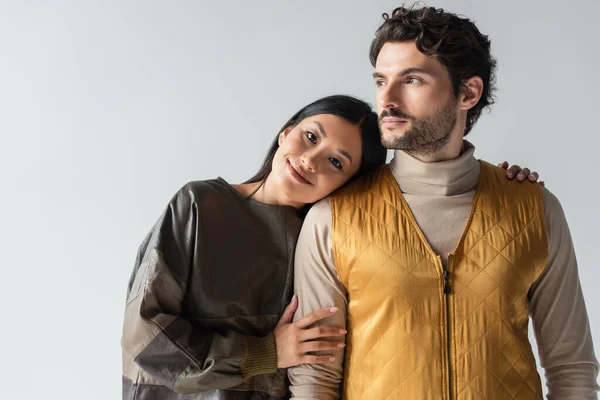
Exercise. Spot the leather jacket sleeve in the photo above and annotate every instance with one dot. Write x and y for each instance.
(156, 334)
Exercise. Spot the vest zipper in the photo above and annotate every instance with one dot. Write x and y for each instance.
(447, 291)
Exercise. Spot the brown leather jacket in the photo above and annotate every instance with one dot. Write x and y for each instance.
(209, 285)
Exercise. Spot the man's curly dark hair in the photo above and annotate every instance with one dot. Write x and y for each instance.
(453, 41)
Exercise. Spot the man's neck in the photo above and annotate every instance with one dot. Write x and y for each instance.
(444, 178)
(449, 152)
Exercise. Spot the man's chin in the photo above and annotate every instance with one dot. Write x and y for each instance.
(394, 131)
(391, 137)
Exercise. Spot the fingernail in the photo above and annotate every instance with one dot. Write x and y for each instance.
(333, 309)
(331, 358)
(343, 331)
(341, 344)
(510, 174)
(532, 177)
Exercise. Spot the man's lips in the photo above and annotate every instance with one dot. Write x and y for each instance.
(393, 121)
(296, 174)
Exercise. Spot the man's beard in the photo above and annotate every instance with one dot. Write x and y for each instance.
(426, 135)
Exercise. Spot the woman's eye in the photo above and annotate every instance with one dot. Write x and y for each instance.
(312, 137)
(336, 163)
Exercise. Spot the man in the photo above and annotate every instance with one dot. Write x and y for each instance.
(437, 259)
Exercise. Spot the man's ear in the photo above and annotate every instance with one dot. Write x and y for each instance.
(283, 134)
(470, 92)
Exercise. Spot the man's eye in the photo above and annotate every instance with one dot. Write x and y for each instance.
(414, 80)
(312, 137)
(336, 163)
(379, 83)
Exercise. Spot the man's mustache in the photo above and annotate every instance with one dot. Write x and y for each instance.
(394, 112)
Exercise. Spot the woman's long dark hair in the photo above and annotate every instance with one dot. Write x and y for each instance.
(348, 108)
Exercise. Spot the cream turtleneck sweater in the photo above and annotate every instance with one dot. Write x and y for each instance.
(440, 196)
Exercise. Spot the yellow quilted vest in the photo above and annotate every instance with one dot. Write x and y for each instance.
(420, 331)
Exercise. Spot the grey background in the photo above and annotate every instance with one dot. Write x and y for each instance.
(107, 108)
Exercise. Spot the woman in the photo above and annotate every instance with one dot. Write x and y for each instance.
(205, 306)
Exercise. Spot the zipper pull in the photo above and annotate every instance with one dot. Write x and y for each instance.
(447, 288)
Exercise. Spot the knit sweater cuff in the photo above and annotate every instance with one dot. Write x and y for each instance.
(260, 357)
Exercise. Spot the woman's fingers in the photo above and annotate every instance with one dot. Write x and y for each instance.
(315, 316)
(309, 347)
(525, 172)
(289, 311)
(321, 332)
(521, 174)
(308, 359)
(513, 171)
(533, 177)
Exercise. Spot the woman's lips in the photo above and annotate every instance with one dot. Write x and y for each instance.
(296, 174)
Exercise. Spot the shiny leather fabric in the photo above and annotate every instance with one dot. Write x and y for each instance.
(216, 269)
(152, 392)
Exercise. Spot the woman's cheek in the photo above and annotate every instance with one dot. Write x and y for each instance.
(332, 184)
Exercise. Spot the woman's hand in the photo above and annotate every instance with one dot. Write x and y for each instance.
(520, 173)
(294, 340)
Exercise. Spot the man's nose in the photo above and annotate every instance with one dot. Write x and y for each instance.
(388, 98)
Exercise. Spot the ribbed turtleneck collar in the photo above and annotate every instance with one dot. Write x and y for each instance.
(446, 178)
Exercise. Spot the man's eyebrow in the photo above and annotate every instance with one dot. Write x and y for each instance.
(405, 71)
